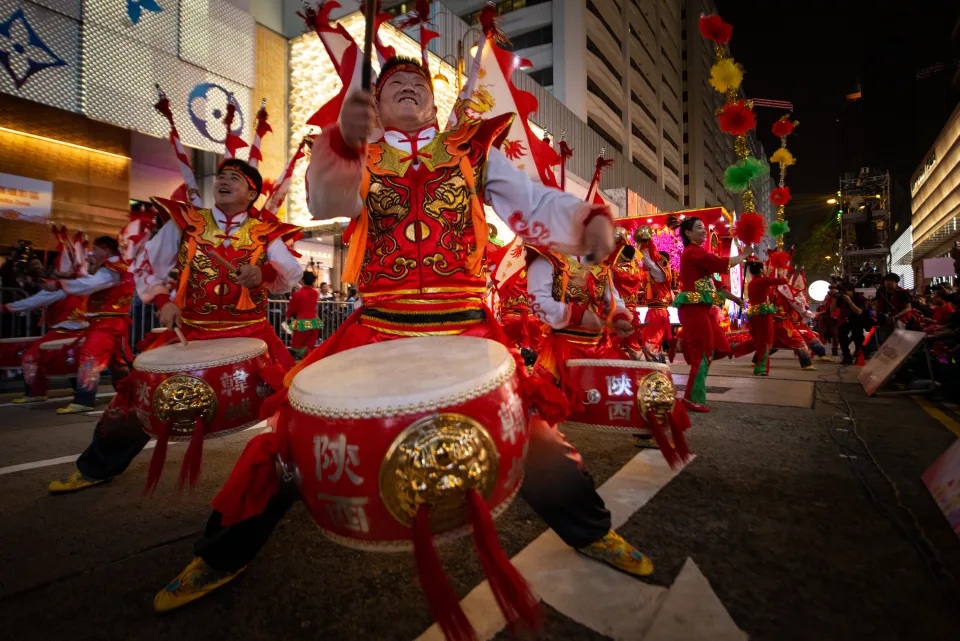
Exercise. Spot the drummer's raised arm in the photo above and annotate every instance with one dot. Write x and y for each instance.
(86, 285)
(153, 272)
(288, 270)
(544, 215)
(333, 177)
(542, 303)
(42, 298)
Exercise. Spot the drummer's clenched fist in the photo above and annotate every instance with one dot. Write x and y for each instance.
(249, 276)
(170, 315)
(624, 327)
(358, 118)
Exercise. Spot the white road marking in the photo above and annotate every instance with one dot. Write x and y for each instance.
(59, 399)
(23, 467)
(619, 606)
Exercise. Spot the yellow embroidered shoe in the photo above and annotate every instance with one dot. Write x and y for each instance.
(73, 483)
(614, 551)
(809, 368)
(196, 580)
(74, 408)
(825, 359)
(23, 400)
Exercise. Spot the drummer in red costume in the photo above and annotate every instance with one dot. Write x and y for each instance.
(306, 325)
(212, 300)
(703, 337)
(65, 317)
(577, 303)
(628, 278)
(417, 257)
(522, 327)
(109, 291)
(657, 295)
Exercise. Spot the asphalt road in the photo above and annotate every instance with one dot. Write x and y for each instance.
(797, 531)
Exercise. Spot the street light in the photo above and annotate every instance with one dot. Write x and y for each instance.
(831, 201)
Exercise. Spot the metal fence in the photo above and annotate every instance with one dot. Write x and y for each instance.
(144, 318)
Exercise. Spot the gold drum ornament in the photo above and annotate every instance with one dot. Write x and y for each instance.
(643, 234)
(181, 400)
(656, 393)
(435, 461)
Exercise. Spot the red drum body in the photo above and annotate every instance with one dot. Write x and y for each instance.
(213, 383)
(60, 356)
(377, 431)
(12, 350)
(619, 395)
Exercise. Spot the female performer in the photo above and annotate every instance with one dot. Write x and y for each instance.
(702, 333)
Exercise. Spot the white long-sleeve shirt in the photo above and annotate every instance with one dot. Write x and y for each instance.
(43, 298)
(161, 252)
(655, 272)
(547, 308)
(540, 215)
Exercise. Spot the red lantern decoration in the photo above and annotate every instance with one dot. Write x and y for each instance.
(783, 127)
(736, 118)
(780, 196)
(715, 29)
(750, 227)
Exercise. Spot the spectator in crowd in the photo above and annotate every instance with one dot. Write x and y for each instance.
(852, 318)
(353, 298)
(325, 293)
(892, 305)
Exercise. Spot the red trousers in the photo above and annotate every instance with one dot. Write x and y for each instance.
(656, 329)
(302, 342)
(703, 340)
(523, 330)
(761, 332)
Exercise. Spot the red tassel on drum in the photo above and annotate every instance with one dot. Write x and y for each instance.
(443, 601)
(679, 423)
(520, 606)
(666, 448)
(190, 469)
(157, 460)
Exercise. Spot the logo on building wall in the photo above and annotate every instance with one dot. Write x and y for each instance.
(135, 8)
(22, 51)
(207, 105)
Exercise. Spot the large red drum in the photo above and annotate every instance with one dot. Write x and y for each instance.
(60, 356)
(12, 350)
(379, 430)
(213, 385)
(631, 397)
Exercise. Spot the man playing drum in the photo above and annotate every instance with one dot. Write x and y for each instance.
(226, 260)
(417, 256)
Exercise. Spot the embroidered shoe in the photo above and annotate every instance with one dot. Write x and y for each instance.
(809, 368)
(617, 553)
(73, 483)
(197, 580)
(23, 400)
(825, 359)
(74, 408)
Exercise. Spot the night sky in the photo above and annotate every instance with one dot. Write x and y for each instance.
(814, 53)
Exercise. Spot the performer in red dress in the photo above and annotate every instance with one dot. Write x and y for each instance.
(417, 255)
(306, 325)
(760, 313)
(628, 280)
(213, 300)
(788, 315)
(703, 337)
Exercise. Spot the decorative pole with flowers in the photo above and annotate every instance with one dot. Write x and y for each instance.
(780, 196)
(736, 118)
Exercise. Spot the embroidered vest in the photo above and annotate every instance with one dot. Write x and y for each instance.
(513, 296)
(69, 309)
(116, 300)
(627, 278)
(211, 294)
(421, 230)
(578, 284)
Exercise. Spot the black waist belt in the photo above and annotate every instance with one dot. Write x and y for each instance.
(420, 318)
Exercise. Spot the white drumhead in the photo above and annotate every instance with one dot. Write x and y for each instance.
(199, 354)
(624, 364)
(59, 343)
(21, 339)
(158, 330)
(402, 376)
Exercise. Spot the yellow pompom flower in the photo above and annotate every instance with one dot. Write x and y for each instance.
(726, 75)
(783, 157)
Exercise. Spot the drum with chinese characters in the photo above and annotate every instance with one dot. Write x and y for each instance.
(60, 356)
(212, 385)
(378, 431)
(628, 396)
(12, 350)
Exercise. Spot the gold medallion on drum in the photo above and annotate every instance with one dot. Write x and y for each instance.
(181, 400)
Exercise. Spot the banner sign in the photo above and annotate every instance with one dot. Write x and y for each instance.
(894, 351)
(943, 481)
(25, 199)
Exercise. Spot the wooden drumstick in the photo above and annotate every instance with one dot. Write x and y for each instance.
(183, 339)
(223, 261)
